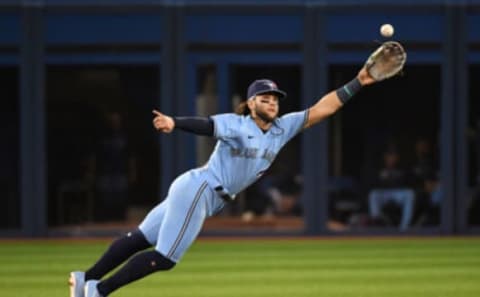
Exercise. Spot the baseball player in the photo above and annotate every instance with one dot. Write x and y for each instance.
(247, 144)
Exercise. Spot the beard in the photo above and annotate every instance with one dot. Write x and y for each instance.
(264, 116)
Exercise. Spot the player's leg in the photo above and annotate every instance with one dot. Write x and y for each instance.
(119, 251)
(152, 221)
(126, 246)
(181, 224)
(139, 266)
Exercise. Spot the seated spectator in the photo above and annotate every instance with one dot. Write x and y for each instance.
(426, 183)
(285, 195)
(391, 186)
(424, 163)
(433, 196)
(258, 201)
(277, 195)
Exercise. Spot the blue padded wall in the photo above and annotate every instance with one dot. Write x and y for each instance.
(233, 28)
(103, 28)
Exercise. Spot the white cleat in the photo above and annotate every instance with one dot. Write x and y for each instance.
(77, 283)
(91, 289)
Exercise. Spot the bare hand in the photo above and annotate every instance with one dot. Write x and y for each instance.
(364, 77)
(162, 122)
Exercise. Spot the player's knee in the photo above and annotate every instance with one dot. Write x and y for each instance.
(131, 243)
(160, 262)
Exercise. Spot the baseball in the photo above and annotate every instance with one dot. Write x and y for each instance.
(386, 30)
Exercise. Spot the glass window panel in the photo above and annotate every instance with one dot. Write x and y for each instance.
(102, 150)
(9, 149)
(384, 153)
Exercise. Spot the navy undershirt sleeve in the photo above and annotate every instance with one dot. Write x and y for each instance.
(196, 125)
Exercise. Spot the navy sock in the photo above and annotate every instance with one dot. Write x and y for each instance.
(119, 251)
(136, 268)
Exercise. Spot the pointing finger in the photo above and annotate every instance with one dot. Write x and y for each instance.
(157, 113)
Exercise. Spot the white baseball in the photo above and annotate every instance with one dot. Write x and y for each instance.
(386, 30)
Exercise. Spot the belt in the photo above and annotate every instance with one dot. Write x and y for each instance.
(224, 195)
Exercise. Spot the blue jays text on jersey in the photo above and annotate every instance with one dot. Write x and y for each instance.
(251, 152)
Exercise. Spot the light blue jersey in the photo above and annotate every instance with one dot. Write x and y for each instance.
(242, 154)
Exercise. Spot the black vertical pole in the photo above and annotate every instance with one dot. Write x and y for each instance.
(314, 150)
(462, 116)
(447, 124)
(32, 124)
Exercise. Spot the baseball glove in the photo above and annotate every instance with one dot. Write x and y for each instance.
(387, 61)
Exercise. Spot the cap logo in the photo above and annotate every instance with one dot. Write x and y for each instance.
(272, 85)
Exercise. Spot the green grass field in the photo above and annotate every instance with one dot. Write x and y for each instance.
(255, 267)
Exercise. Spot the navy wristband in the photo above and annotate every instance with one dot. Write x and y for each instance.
(347, 91)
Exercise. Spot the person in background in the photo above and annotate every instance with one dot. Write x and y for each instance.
(392, 186)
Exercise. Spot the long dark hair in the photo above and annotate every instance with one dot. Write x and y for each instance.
(242, 108)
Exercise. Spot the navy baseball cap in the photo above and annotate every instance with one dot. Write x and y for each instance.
(262, 86)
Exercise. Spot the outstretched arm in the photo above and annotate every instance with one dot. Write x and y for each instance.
(196, 125)
(331, 102)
